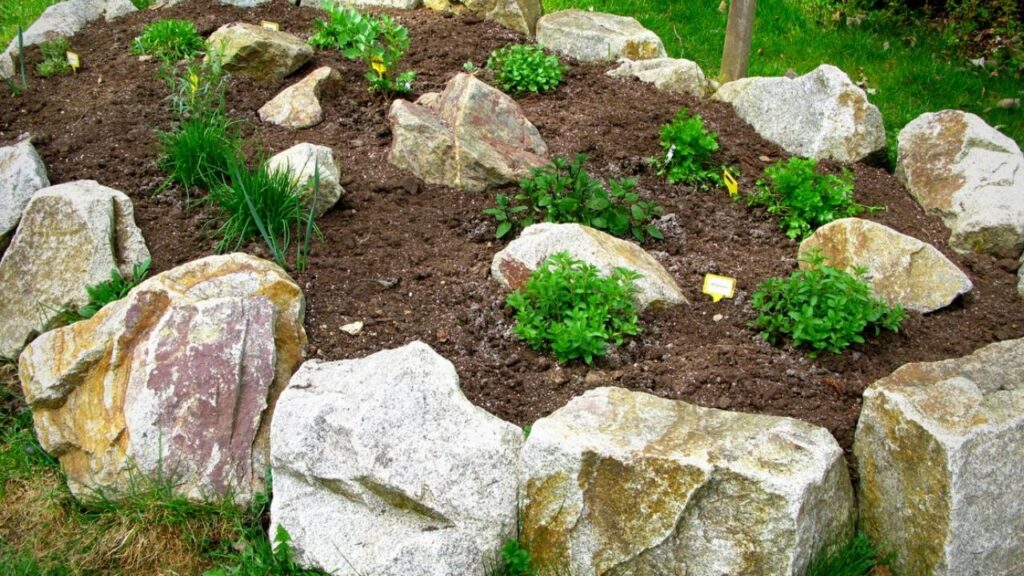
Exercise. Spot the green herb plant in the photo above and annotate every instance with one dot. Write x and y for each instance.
(821, 308)
(687, 147)
(169, 41)
(114, 289)
(522, 68)
(568, 307)
(563, 191)
(515, 560)
(378, 41)
(55, 57)
(344, 29)
(805, 199)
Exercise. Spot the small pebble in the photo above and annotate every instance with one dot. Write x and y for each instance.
(717, 317)
(352, 329)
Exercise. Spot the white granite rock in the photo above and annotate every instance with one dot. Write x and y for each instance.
(22, 173)
(667, 74)
(597, 37)
(303, 160)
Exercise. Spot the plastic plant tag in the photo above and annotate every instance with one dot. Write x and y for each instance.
(730, 183)
(74, 61)
(378, 66)
(270, 25)
(719, 287)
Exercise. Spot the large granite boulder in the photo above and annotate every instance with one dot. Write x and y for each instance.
(298, 106)
(178, 379)
(381, 466)
(901, 269)
(22, 174)
(71, 236)
(621, 482)
(940, 451)
(597, 37)
(469, 136)
(258, 52)
(303, 161)
(519, 15)
(969, 174)
(821, 115)
(514, 265)
(666, 74)
(63, 19)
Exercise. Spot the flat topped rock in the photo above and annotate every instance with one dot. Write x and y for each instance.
(821, 115)
(470, 136)
(513, 265)
(621, 482)
(940, 450)
(901, 269)
(22, 173)
(971, 175)
(667, 74)
(70, 236)
(597, 37)
(382, 466)
(258, 52)
(177, 379)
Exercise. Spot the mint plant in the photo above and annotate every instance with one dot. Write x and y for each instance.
(170, 41)
(687, 147)
(821, 308)
(344, 29)
(378, 41)
(522, 68)
(55, 57)
(805, 199)
(568, 307)
(563, 192)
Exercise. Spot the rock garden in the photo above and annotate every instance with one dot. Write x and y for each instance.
(466, 288)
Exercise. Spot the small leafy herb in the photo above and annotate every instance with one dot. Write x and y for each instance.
(379, 42)
(821, 307)
(55, 57)
(112, 290)
(805, 199)
(567, 306)
(520, 68)
(563, 192)
(516, 560)
(344, 29)
(169, 41)
(687, 147)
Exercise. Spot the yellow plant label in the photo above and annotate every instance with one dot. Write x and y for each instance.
(730, 183)
(719, 287)
(270, 25)
(74, 61)
(378, 66)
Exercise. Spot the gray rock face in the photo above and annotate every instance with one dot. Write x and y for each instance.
(940, 450)
(519, 15)
(22, 173)
(298, 106)
(257, 52)
(969, 174)
(821, 114)
(470, 136)
(621, 482)
(667, 74)
(1020, 274)
(63, 19)
(70, 236)
(399, 4)
(513, 265)
(381, 466)
(597, 37)
(303, 160)
(174, 379)
(901, 269)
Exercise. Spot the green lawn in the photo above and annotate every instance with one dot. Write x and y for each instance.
(907, 66)
(18, 12)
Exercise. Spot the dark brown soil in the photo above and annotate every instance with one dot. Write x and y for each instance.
(412, 261)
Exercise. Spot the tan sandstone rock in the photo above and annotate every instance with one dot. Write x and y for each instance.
(901, 269)
(519, 15)
(258, 52)
(621, 482)
(70, 236)
(179, 378)
(597, 37)
(940, 451)
(666, 74)
(298, 106)
(303, 161)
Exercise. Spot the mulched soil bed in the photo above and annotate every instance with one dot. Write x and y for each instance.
(412, 261)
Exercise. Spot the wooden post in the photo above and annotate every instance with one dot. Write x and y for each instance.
(738, 33)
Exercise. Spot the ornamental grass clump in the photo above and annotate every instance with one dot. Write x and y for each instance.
(805, 199)
(169, 41)
(821, 308)
(687, 147)
(564, 192)
(525, 68)
(566, 306)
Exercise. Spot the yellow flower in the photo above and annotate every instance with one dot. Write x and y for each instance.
(193, 82)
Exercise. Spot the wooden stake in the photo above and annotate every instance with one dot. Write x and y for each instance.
(738, 33)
